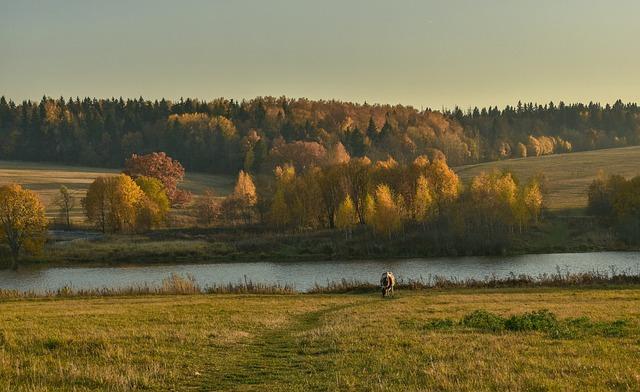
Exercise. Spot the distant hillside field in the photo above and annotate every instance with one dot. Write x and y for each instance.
(46, 180)
(568, 175)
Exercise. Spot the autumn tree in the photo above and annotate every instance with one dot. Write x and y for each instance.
(387, 214)
(159, 165)
(301, 154)
(533, 199)
(346, 218)
(337, 155)
(445, 183)
(358, 182)
(617, 201)
(331, 187)
(422, 207)
(245, 194)
(488, 212)
(280, 210)
(152, 209)
(521, 150)
(65, 201)
(22, 220)
(111, 203)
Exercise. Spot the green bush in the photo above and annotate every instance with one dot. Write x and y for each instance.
(540, 320)
(483, 320)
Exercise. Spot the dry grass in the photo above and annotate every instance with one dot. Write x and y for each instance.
(316, 342)
(46, 179)
(569, 175)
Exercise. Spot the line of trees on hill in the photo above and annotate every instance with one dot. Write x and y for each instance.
(225, 136)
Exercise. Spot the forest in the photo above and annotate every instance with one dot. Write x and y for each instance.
(224, 136)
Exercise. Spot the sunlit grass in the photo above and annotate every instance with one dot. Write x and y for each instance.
(320, 342)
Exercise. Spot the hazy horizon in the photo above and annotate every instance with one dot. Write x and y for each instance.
(424, 54)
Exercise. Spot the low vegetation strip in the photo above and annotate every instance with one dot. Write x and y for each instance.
(176, 284)
(450, 340)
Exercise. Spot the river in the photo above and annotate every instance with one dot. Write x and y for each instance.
(303, 275)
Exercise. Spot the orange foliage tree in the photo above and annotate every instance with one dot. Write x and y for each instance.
(22, 220)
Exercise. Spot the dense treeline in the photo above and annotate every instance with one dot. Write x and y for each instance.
(533, 130)
(225, 136)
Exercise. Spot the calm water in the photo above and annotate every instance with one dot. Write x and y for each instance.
(304, 275)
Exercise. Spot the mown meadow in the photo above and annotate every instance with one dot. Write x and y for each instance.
(453, 339)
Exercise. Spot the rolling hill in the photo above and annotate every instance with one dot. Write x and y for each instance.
(568, 175)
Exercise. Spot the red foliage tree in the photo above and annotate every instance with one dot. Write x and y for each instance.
(303, 155)
(161, 166)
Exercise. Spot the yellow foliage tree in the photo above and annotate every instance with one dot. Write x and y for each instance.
(154, 206)
(346, 218)
(245, 190)
(387, 216)
(244, 197)
(423, 200)
(445, 182)
(22, 220)
(112, 202)
(533, 200)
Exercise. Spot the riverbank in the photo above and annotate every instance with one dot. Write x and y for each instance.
(453, 339)
(556, 234)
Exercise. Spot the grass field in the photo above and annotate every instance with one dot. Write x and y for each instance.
(46, 179)
(419, 340)
(569, 175)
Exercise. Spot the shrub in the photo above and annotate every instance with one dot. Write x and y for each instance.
(540, 320)
(483, 320)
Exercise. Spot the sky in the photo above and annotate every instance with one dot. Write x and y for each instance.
(422, 53)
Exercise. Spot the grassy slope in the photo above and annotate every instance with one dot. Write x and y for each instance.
(569, 175)
(46, 179)
(314, 342)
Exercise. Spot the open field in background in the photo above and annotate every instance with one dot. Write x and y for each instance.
(46, 179)
(569, 175)
(426, 340)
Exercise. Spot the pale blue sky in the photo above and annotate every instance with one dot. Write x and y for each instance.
(423, 53)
